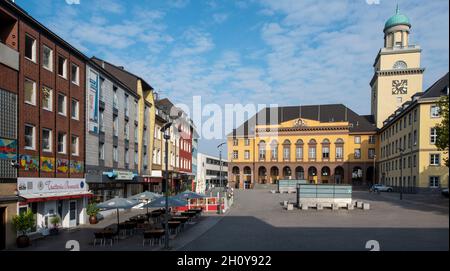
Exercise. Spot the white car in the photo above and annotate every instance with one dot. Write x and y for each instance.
(381, 188)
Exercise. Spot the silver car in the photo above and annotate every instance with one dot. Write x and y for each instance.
(381, 188)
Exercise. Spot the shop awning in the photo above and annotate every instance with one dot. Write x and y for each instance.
(53, 196)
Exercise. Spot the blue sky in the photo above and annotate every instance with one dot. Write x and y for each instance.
(257, 51)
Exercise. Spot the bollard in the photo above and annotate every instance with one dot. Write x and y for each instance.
(350, 206)
(359, 204)
(304, 207)
(334, 206)
(366, 206)
(319, 206)
(290, 207)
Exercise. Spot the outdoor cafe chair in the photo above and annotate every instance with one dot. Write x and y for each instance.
(98, 236)
(109, 236)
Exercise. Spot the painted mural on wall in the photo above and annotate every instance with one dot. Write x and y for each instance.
(62, 165)
(47, 164)
(8, 148)
(28, 162)
(76, 167)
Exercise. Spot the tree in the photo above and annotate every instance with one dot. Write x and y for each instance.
(442, 128)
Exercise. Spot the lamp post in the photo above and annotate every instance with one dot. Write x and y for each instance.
(401, 172)
(220, 176)
(374, 168)
(166, 131)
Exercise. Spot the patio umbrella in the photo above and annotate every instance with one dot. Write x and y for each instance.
(118, 203)
(145, 196)
(186, 195)
(189, 195)
(161, 202)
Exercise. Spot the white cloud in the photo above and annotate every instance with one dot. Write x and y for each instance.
(178, 3)
(220, 17)
(195, 42)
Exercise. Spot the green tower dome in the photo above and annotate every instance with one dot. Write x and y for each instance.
(397, 19)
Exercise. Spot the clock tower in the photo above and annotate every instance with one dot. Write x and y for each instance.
(398, 74)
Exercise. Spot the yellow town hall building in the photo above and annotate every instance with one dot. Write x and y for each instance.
(333, 144)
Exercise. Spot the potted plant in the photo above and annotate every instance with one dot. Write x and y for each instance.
(92, 211)
(23, 222)
(55, 220)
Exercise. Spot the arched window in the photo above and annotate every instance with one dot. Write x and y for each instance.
(262, 150)
(339, 148)
(299, 149)
(274, 150)
(312, 149)
(286, 150)
(400, 65)
(326, 149)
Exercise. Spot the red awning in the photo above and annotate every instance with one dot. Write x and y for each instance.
(38, 198)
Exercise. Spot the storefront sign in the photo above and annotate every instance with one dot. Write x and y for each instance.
(124, 175)
(50, 185)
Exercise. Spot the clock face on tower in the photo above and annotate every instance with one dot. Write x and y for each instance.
(399, 86)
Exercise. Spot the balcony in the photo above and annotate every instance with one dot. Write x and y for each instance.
(397, 48)
(9, 56)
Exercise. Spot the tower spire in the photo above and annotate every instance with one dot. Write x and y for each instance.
(397, 10)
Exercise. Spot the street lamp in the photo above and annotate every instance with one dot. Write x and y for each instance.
(374, 168)
(166, 131)
(401, 172)
(220, 175)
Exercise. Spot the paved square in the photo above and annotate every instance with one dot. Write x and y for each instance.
(257, 221)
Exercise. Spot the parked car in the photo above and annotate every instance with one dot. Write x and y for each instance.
(381, 188)
(445, 192)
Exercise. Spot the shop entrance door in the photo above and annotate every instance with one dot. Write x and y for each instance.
(72, 213)
(2, 228)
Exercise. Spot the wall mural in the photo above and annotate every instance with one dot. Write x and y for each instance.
(62, 165)
(8, 148)
(28, 162)
(76, 167)
(47, 164)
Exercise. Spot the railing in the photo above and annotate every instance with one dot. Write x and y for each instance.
(401, 47)
(9, 56)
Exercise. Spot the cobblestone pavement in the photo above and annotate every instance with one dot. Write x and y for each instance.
(84, 236)
(257, 221)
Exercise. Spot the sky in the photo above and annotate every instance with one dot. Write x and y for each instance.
(285, 52)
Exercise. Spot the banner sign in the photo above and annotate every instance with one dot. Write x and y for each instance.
(93, 100)
(50, 185)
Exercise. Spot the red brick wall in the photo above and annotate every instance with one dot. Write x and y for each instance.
(8, 79)
(41, 118)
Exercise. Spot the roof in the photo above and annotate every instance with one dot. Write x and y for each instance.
(113, 78)
(435, 91)
(324, 113)
(126, 77)
(13, 7)
(397, 19)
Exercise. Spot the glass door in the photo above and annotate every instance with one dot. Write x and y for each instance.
(72, 213)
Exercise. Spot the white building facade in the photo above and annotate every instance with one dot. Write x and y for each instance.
(208, 172)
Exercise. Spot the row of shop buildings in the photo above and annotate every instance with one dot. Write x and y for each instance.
(394, 145)
(75, 129)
